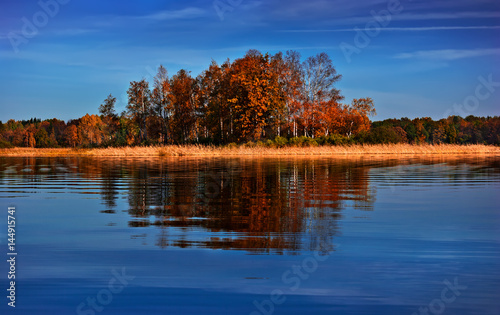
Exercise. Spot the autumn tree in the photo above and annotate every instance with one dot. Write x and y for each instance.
(109, 118)
(42, 138)
(90, 130)
(318, 76)
(357, 116)
(182, 99)
(291, 76)
(107, 108)
(256, 95)
(332, 118)
(29, 136)
(213, 102)
(14, 132)
(71, 136)
(281, 79)
(139, 106)
(162, 107)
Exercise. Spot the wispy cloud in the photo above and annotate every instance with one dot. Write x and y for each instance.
(187, 13)
(401, 29)
(73, 32)
(446, 16)
(448, 54)
(294, 9)
(408, 15)
(125, 20)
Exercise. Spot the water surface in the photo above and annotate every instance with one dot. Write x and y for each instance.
(261, 236)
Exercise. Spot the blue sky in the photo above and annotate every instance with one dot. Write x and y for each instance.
(422, 58)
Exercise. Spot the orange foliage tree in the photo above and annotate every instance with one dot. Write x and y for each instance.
(182, 98)
(256, 98)
(90, 130)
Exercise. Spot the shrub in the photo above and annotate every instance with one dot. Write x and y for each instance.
(5, 144)
(280, 141)
(302, 141)
(310, 142)
(294, 141)
(322, 140)
(361, 137)
(337, 139)
(259, 144)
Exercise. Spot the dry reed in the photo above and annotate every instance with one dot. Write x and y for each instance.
(389, 150)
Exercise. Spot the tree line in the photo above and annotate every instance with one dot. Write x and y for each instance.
(274, 99)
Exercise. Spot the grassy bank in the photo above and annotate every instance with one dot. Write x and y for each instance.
(199, 150)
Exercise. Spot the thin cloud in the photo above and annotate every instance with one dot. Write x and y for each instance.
(446, 16)
(298, 8)
(448, 54)
(442, 28)
(187, 13)
(74, 32)
(420, 16)
(402, 29)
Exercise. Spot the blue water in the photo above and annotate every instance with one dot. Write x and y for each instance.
(252, 236)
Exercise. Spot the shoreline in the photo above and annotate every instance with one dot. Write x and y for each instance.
(381, 150)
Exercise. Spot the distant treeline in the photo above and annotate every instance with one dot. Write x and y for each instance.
(54, 133)
(261, 99)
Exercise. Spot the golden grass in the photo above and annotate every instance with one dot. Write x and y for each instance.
(200, 151)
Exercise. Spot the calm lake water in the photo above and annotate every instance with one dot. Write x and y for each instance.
(252, 236)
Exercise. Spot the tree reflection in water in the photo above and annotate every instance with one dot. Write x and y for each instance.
(260, 205)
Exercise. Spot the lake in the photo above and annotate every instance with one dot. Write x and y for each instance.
(252, 235)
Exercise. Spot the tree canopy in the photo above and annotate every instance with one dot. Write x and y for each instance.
(258, 97)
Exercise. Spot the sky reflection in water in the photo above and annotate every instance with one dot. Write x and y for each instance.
(219, 235)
